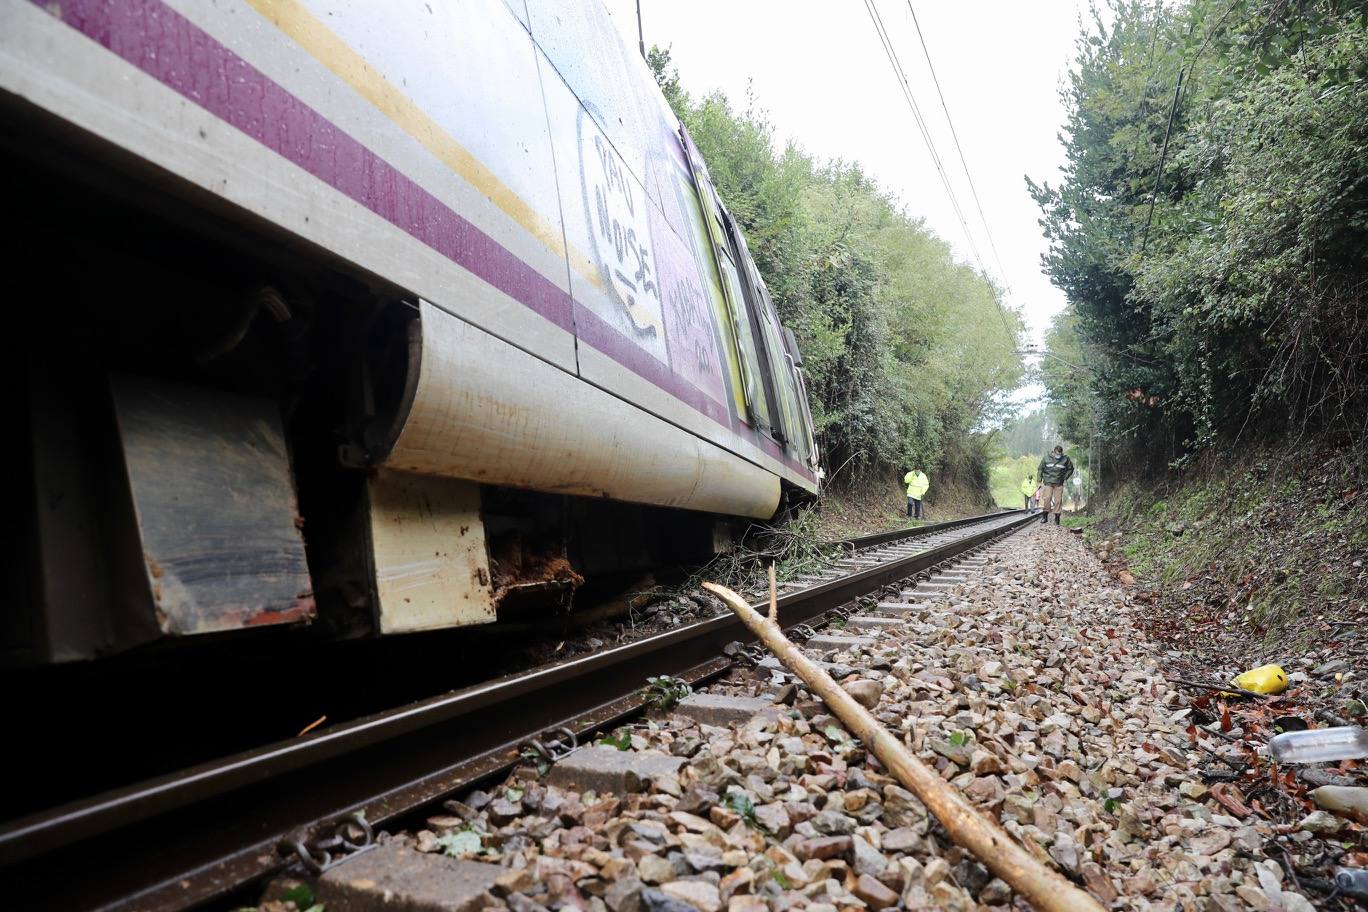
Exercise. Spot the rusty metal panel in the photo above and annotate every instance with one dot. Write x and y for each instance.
(215, 505)
(428, 549)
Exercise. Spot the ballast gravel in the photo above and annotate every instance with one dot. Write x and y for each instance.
(1027, 686)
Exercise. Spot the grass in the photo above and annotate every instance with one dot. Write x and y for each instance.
(876, 508)
(1268, 540)
(1004, 480)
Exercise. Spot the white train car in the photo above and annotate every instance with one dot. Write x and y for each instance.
(372, 317)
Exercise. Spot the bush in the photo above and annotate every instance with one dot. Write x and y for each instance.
(1216, 287)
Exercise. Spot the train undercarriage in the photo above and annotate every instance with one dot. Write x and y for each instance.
(203, 413)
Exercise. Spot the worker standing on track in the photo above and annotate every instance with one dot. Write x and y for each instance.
(1028, 489)
(1054, 471)
(917, 483)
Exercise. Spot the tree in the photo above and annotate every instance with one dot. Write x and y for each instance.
(1210, 232)
(906, 350)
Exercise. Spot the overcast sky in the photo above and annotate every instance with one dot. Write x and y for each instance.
(817, 67)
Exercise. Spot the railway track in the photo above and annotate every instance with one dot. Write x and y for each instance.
(201, 834)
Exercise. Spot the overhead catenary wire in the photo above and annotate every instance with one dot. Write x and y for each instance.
(987, 231)
(900, 76)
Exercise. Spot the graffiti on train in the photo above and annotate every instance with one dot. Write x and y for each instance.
(649, 273)
(616, 209)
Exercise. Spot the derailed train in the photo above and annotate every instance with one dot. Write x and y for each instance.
(367, 317)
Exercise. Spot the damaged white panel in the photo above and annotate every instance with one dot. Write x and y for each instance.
(489, 412)
(428, 546)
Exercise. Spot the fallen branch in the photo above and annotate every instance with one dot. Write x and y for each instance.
(1228, 690)
(967, 826)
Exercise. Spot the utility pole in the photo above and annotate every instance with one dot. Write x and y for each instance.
(641, 36)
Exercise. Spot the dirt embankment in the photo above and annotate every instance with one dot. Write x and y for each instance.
(1258, 559)
(1247, 562)
(882, 504)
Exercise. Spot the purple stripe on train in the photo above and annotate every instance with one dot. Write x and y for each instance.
(171, 49)
(593, 330)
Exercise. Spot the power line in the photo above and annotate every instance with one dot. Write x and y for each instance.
(954, 135)
(900, 75)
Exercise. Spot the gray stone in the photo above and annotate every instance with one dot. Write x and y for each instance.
(865, 692)
(501, 811)
(833, 823)
(837, 641)
(720, 709)
(624, 895)
(1322, 822)
(873, 893)
(391, 877)
(902, 839)
(1065, 851)
(654, 869)
(607, 770)
(822, 848)
(697, 800)
(971, 875)
(903, 809)
(1352, 800)
(868, 860)
(1317, 777)
(956, 753)
(995, 893)
(655, 901)
(699, 894)
(774, 818)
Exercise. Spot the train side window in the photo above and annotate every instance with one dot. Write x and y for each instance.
(785, 375)
(728, 251)
(759, 401)
(795, 362)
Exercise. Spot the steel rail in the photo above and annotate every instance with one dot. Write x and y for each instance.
(188, 838)
(890, 536)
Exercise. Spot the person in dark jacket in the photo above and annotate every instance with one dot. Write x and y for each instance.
(1054, 471)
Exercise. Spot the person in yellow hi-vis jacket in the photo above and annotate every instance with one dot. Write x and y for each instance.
(917, 483)
(1028, 490)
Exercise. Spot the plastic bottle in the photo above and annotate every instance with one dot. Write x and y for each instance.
(1352, 882)
(1320, 745)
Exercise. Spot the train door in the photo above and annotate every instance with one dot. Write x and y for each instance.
(781, 370)
(775, 397)
(756, 409)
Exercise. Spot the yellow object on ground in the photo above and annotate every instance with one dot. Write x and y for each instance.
(1266, 679)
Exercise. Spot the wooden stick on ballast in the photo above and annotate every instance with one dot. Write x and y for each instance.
(774, 595)
(967, 826)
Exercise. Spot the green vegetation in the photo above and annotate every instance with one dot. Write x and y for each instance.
(1005, 480)
(906, 350)
(742, 805)
(621, 738)
(664, 692)
(1211, 230)
(1256, 543)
